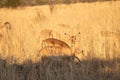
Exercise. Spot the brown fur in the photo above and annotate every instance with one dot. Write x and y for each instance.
(54, 42)
(55, 51)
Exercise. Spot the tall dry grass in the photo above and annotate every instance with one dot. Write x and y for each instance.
(99, 52)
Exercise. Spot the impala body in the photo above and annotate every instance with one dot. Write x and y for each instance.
(55, 51)
(54, 42)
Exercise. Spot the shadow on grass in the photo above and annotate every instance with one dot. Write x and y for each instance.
(60, 68)
(71, 1)
(67, 2)
(95, 0)
(14, 4)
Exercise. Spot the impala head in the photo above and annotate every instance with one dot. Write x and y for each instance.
(72, 38)
(7, 25)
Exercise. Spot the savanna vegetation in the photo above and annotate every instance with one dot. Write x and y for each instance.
(90, 30)
(16, 3)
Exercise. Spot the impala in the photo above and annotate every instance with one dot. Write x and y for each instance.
(7, 25)
(4, 37)
(52, 46)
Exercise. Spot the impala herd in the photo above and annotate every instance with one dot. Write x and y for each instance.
(52, 46)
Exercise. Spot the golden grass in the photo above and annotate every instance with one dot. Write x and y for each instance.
(96, 51)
